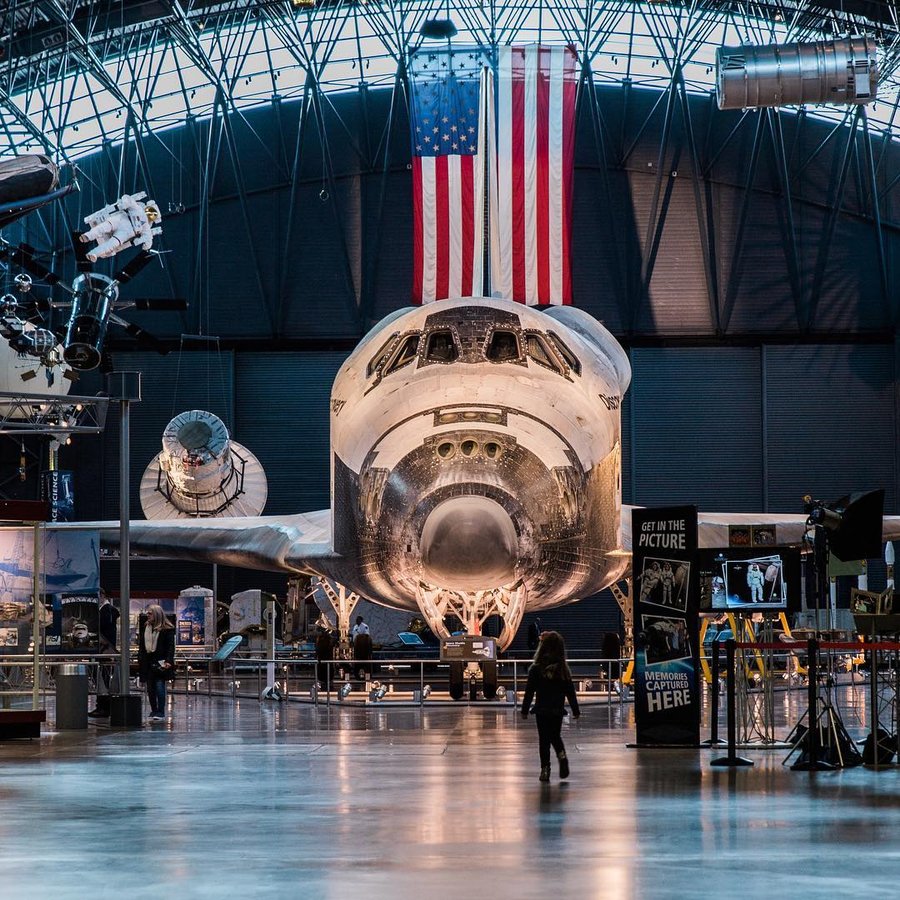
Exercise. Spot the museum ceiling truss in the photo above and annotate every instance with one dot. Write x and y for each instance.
(112, 76)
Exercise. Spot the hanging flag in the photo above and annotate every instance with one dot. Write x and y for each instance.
(449, 101)
(533, 160)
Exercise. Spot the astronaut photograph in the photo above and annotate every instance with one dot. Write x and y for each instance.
(754, 582)
(665, 639)
(664, 582)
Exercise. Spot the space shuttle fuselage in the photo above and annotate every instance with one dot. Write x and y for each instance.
(476, 445)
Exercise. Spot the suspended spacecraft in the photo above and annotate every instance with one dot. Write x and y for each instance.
(202, 473)
(27, 183)
(94, 301)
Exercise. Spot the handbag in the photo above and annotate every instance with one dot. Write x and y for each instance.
(167, 673)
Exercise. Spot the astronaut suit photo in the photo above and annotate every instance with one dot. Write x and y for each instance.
(755, 580)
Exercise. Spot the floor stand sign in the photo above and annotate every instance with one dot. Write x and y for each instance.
(666, 627)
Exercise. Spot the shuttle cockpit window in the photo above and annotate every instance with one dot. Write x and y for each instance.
(379, 358)
(404, 354)
(441, 347)
(571, 359)
(504, 347)
(539, 350)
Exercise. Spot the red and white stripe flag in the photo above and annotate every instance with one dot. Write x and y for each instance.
(450, 98)
(534, 163)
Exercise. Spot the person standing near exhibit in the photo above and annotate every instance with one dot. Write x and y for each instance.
(550, 684)
(362, 645)
(534, 634)
(156, 658)
(324, 654)
(108, 617)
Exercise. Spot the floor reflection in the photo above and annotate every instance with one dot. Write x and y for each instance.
(291, 800)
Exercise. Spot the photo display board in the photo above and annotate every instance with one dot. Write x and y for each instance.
(746, 580)
(666, 626)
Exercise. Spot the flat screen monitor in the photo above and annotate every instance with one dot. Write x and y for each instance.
(745, 580)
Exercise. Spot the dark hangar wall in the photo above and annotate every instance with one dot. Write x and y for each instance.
(763, 369)
(264, 255)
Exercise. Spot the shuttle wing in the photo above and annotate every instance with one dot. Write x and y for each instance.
(269, 543)
(712, 528)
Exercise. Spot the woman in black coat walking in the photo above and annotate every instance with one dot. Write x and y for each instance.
(156, 658)
(550, 683)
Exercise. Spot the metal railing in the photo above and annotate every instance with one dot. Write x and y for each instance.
(405, 681)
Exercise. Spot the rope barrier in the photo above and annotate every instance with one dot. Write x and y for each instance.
(823, 645)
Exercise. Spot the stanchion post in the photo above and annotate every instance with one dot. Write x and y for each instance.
(873, 698)
(732, 759)
(714, 698)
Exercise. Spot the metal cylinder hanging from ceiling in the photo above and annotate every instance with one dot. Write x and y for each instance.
(839, 71)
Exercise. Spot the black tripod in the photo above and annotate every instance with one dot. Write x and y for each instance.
(824, 740)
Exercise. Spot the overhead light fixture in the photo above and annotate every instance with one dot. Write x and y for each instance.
(839, 71)
(438, 29)
(303, 4)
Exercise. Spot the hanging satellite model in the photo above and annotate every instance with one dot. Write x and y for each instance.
(202, 473)
(29, 348)
(94, 299)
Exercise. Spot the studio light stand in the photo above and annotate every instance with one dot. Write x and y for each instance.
(850, 529)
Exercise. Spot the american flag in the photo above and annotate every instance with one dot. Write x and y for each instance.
(449, 89)
(531, 200)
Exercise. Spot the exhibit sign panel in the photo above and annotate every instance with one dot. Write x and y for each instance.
(58, 489)
(70, 562)
(469, 648)
(74, 625)
(195, 622)
(666, 627)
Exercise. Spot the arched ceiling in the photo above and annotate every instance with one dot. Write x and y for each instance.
(75, 74)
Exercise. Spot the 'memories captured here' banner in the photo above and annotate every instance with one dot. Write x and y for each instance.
(666, 626)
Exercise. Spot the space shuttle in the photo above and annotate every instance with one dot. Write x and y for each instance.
(476, 458)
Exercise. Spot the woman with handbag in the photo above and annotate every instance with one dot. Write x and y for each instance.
(156, 658)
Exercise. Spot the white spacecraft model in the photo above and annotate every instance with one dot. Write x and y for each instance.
(131, 220)
(476, 470)
(202, 473)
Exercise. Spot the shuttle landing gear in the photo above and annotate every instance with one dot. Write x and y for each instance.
(473, 608)
(343, 602)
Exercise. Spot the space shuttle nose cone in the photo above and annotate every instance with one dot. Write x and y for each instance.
(469, 543)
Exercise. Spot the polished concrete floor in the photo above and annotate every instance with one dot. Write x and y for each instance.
(240, 800)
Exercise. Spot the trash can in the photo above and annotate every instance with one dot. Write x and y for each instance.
(71, 696)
